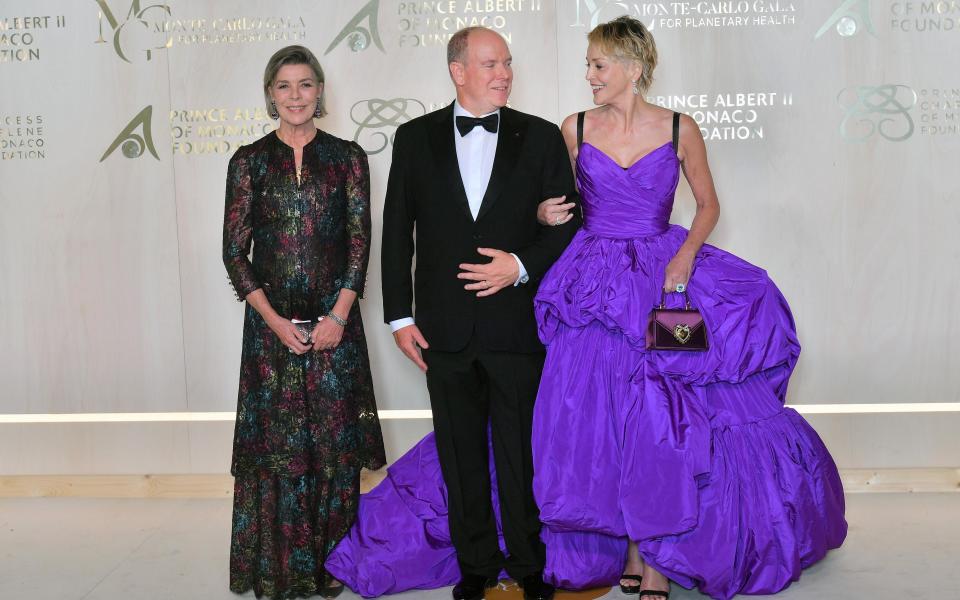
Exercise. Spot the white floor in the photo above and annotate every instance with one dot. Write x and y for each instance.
(899, 546)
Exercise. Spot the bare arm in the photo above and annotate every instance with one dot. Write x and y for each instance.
(555, 211)
(693, 156)
(569, 130)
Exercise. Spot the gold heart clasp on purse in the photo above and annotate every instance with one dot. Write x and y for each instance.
(676, 328)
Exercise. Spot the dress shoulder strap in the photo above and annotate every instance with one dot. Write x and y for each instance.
(676, 131)
(580, 116)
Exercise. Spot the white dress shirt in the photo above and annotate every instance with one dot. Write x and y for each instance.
(475, 154)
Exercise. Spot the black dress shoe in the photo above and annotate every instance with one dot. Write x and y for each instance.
(535, 588)
(472, 587)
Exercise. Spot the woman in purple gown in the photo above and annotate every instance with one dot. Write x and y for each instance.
(682, 466)
(691, 456)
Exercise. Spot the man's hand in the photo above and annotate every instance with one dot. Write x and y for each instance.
(410, 340)
(492, 277)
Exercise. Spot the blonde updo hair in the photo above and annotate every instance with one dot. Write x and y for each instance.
(627, 40)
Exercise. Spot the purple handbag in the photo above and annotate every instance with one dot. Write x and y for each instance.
(676, 328)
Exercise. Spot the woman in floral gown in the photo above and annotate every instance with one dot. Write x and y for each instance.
(306, 416)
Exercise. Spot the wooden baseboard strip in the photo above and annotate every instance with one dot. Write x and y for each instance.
(217, 485)
(900, 480)
(221, 485)
(117, 486)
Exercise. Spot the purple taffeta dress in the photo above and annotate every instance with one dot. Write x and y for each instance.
(691, 454)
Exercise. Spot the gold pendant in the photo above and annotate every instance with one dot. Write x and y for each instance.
(682, 333)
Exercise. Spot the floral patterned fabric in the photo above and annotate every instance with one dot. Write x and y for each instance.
(306, 424)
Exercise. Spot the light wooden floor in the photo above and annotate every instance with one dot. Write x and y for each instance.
(900, 546)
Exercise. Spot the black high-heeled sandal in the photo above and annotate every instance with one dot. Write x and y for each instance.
(631, 589)
(332, 591)
(657, 593)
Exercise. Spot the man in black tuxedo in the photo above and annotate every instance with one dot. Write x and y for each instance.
(470, 177)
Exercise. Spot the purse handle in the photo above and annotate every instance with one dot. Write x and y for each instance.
(663, 296)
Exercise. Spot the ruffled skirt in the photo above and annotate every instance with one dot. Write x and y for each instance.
(690, 454)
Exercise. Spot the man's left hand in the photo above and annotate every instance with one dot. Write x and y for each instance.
(493, 276)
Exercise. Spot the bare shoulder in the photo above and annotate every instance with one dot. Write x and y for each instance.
(687, 124)
(689, 130)
(660, 112)
(569, 130)
(590, 117)
(659, 122)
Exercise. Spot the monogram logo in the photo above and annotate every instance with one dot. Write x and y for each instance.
(377, 113)
(848, 19)
(593, 8)
(359, 37)
(132, 144)
(882, 110)
(143, 39)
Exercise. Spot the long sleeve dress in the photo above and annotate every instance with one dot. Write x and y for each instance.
(306, 424)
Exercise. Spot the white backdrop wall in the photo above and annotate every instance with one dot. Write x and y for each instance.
(833, 129)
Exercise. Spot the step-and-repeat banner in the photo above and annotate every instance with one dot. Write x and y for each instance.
(833, 130)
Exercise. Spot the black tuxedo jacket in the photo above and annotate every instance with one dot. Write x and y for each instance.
(425, 192)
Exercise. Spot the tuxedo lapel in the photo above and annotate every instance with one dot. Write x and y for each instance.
(444, 149)
(509, 142)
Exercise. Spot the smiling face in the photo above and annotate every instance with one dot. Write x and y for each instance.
(295, 91)
(485, 78)
(609, 77)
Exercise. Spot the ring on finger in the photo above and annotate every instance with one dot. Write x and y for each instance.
(557, 222)
(681, 287)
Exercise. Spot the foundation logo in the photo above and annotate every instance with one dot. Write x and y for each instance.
(139, 33)
(357, 36)
(849, 18)
(882, 110)
(131, 143)
(377, 114)
(597, 10)
(912, 17)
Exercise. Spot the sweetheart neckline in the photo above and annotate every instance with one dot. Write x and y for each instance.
(635, 163)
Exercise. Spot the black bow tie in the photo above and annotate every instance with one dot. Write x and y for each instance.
(466, 124)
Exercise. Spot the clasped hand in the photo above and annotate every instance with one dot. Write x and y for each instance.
(325, 335)
(490, 278)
